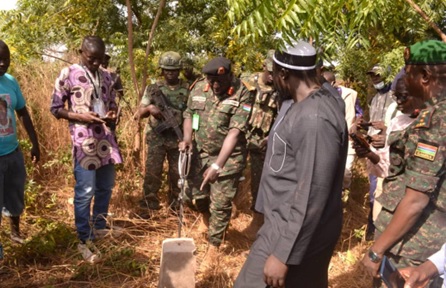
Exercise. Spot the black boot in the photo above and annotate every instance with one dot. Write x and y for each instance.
(14, 222)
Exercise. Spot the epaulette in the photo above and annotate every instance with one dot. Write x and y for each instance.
(424, 119)
(248, 85)
(195, 82)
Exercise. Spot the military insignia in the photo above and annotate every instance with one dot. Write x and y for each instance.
(407, 54)
(424, 119)
(247, 107)
(231, 102)
(221, 70)
(199, 98)
(426, 150)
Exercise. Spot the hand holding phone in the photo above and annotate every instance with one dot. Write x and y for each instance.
(390, 275)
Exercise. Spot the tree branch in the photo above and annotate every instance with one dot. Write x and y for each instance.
(130, 46)
(149, 44)
(428, 20)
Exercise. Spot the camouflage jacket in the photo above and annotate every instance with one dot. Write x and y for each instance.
(423, 145)
(264, 109)
(217, 115)
(177, 96)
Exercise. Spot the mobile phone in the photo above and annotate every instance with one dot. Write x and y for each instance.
(365, 124)
(390, 275)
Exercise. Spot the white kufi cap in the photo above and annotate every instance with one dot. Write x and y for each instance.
(300, 56)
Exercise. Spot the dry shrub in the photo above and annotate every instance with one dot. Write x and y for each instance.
(50, 259)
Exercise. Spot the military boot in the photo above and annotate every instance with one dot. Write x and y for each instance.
(204, 222)
(210, 258)
(251, 231)
(151, 202)
(14, 222)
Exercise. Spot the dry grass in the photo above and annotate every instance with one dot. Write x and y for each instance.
(50, 259)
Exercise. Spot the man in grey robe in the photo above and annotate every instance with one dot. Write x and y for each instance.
(301, 181)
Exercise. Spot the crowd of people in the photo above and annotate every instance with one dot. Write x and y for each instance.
(298, 128)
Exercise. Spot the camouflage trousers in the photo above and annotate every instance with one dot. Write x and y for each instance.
(216, 198)
(158, 149)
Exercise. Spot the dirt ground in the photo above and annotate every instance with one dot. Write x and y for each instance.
(49, 257)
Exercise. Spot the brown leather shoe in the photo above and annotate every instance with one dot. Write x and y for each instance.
(256, 223)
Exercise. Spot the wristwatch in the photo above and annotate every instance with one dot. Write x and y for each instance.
(374, 257)
(216, 167)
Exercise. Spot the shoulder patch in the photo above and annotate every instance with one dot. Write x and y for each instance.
(249, 86)
(426, 150)
(424, 119)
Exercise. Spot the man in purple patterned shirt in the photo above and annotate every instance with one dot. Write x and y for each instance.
(83, 95)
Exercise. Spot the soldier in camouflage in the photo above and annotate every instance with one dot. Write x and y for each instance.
(412, 223)
(263, 114)
(163, 144)
(217, 113)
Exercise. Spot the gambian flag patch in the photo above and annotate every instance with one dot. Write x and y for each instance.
(426, 151)
(247, 107)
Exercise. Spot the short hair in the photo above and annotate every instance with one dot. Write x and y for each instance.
(308, 76)
(93, 41)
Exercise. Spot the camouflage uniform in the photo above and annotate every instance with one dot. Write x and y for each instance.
(164, 144)
(263, 113)
(417, 161)
(217, 115)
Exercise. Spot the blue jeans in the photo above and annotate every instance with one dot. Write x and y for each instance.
(92, 183)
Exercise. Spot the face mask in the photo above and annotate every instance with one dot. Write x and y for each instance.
(379, 86)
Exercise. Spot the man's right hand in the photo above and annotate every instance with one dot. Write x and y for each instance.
(185, 146)
(418, 277)
(89, 117)
(155, 111)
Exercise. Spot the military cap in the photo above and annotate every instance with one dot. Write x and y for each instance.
(269, 60)
(217, 66)
(300, 56)
(376, 70)
(430, 52)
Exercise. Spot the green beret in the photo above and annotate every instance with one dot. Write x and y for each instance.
(217, 66)
(430, 52)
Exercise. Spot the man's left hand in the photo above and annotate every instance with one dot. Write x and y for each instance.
(371, 267)
(274, 272)
(378, 141)
(35, 154)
